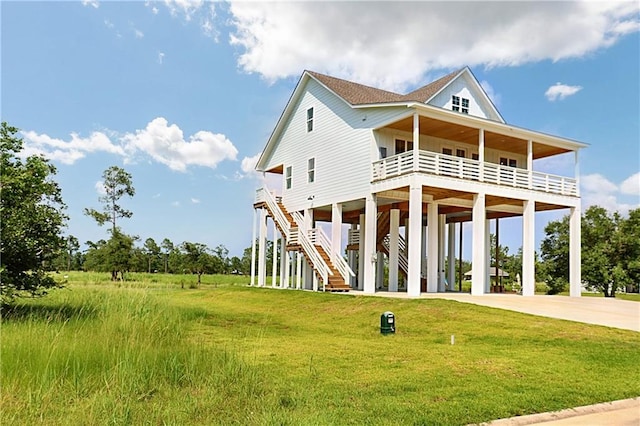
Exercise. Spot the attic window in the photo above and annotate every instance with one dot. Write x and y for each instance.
(288, 177)
(456, 104)
(310, 119)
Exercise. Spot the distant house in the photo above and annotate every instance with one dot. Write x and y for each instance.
(394, 173)
(492, 273)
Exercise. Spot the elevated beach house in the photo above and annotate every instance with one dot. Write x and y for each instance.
(388, 176)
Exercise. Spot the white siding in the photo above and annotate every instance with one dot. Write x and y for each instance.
(341, 142)
(465, 87)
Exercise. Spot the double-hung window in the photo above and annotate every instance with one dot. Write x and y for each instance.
(311, 170)
(310, 119)
(288, 177)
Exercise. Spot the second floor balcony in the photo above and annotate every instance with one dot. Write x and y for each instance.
(434, 163)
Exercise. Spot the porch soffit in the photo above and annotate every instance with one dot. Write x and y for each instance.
(469, 135)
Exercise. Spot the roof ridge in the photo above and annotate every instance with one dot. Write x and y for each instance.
(424, 93)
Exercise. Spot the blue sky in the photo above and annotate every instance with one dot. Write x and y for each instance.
(184, 94)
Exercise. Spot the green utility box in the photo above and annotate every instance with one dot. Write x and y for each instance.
(387, 323)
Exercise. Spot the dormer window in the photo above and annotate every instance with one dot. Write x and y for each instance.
(310, 119)
(460, 104)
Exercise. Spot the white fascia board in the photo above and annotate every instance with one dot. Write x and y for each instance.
(382, 105)
(495, 126)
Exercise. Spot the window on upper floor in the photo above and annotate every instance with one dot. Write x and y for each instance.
(383, 152)
(287, 178)
(461, 153)
(310, 119)
(508, 162)
(403, 146)
(311, 170)
(460, 104)
(447, 151)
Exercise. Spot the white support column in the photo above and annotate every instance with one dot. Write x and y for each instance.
(262, 249)
(416, 140)
(274, 249)
(575, 274)
(479, 246)
(528, 249)
(336, 229)
(314, 278)
(287, 270)
(441, 243)
(487, 258)
(530, 162)
(298, 270)
(481, 153)
(253, 249)
(451, 256)
(284, 261)
(361, 255)
(379, 270)
(370, 225)
(394, 248)
(433, 246)
(413, 242)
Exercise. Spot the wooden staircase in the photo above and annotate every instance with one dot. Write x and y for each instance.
(335, 281)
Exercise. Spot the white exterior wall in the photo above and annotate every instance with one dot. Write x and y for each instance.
(341, 142)
(464, 87)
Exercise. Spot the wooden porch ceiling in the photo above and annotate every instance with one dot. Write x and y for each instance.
(456, 213)
(469, 135)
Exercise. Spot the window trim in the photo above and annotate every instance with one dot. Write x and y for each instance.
(310, 116)
(311, 170)
(460, 104)
(288, 177)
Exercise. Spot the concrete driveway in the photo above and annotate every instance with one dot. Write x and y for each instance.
(609, 312)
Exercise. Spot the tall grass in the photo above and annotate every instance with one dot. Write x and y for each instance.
(116, 356)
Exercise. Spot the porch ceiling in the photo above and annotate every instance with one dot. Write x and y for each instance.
(469, 135)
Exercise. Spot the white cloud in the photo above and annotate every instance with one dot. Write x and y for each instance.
(561, 91)
(138, 33)
(100, 189)
(175, 203)
(166, 144)
(279, 40)
(108, 24)
(93, 3)
(68, 152)
(195, 201)
(160, 57)
(600, 191)
(631, 185)
(154, 10)
(185, 7)
(495, 97)
(162, 142)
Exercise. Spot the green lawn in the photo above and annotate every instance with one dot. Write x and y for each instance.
(150, 352)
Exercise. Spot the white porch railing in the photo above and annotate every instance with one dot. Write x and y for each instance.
(318, 237)
(464, 168)
(263, 195)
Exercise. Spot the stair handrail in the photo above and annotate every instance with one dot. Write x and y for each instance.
(338, 261)
(310, 250)
(402, 255)
(275, 210)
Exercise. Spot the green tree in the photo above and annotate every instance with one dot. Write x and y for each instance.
(117, 183)
(32, 213)
(554, 251)
(610, 251)
(72, 247)
(196, 258)
(167, 248)
(115, 255)
(152, 251)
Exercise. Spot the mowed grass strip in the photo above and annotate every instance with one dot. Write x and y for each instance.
(235, 355)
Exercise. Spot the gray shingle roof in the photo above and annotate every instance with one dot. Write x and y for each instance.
(359, 94)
